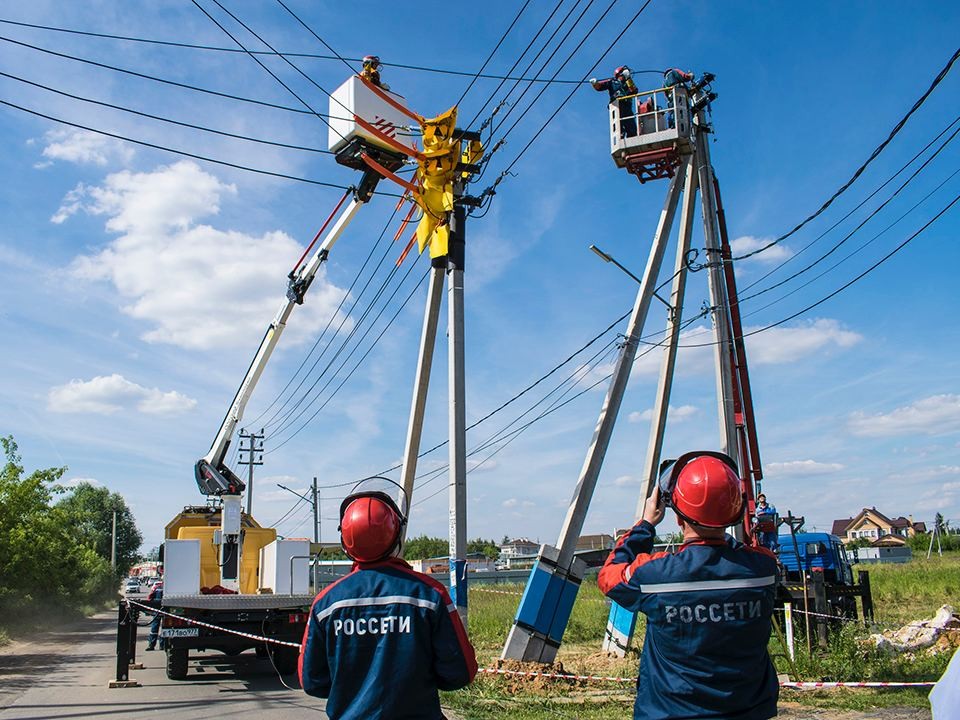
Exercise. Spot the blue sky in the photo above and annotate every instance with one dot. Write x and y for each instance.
(135, 284)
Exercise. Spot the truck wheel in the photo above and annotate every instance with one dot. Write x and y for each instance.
(176, 663)
(286, 659)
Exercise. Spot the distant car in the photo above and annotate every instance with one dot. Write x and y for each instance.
(132, 586)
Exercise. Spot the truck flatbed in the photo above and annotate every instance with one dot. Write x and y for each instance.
(237, 602)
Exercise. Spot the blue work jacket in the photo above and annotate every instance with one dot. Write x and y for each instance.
(708, 609)
(381, 641)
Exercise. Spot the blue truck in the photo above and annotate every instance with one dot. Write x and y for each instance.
(831, 587)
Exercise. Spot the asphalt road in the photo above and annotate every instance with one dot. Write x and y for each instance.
(64, 674)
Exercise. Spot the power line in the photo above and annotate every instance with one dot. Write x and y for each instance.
(160, 118)
(586, 75)
(313, 56)
(845, 285)
(543, 26)
(285, 420)
(493, 52)
(323, 333)
(261, 64)
(546, 62)
(858, 249)
(310, 30)
(359, 362)
(855, 208)
(154, 78)
(859, 171)
(836, 246)
(195, 156)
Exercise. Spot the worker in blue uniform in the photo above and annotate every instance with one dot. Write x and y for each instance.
(766, 523)
(382, 640)
(621, 89)
(708, 606)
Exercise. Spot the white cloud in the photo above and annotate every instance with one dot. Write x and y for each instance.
(108, 394)
(674, 414)
(935, 415)
(749, 243)
(795, 468)
(83, 147)
(195, 286)
(74, 482)
(626, 481)
(789, 344)
(514, 503)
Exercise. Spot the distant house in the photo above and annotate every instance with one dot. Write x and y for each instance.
(519, 547)
(595, 542)
(876, 527)
(476, 562)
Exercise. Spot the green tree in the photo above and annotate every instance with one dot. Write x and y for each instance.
(46, 561)
(487, 547)
(420, 548)
(89, 510)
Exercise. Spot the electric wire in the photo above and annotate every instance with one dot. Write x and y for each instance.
(292, 415)
(836, 246)
(310, 30)
(855, 208)
(858, 249)
(154, 78)
(323, 333)
(493, 94)
(263, 65)
(846, 285)
(160, 118)
(358, 363)
(184, 153)
(493, 52)
(546, 62)
(281, 422)
(586, 75)
(314, 56)
(873, 156)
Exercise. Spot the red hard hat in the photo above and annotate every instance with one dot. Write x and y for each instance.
(619, 71)
(370, 526)
(707, 491)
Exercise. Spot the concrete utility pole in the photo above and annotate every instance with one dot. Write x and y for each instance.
(113, 543)
(458, 413)
(254, 446)
(316, 512)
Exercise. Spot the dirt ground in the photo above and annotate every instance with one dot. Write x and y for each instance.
(796, 711)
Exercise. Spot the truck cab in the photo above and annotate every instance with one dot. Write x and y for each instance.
(818, 552)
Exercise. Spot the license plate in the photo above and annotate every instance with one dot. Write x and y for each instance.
(179, 632)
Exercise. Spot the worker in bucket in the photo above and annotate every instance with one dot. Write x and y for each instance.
(621, 88)
(382, 640)
(371, 71)
(708, 606)
(766, 523)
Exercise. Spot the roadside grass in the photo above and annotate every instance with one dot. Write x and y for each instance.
(36, 616)
(901, 593)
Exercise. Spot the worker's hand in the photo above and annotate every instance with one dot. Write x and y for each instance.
(653, 509)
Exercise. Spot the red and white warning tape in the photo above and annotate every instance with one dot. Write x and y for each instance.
(200, 623)
(562, 676)
(785, 684)
(854, 684)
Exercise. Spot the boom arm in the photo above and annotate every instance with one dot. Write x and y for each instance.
(212, 475)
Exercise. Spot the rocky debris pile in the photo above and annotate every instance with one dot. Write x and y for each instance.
(939, 634)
